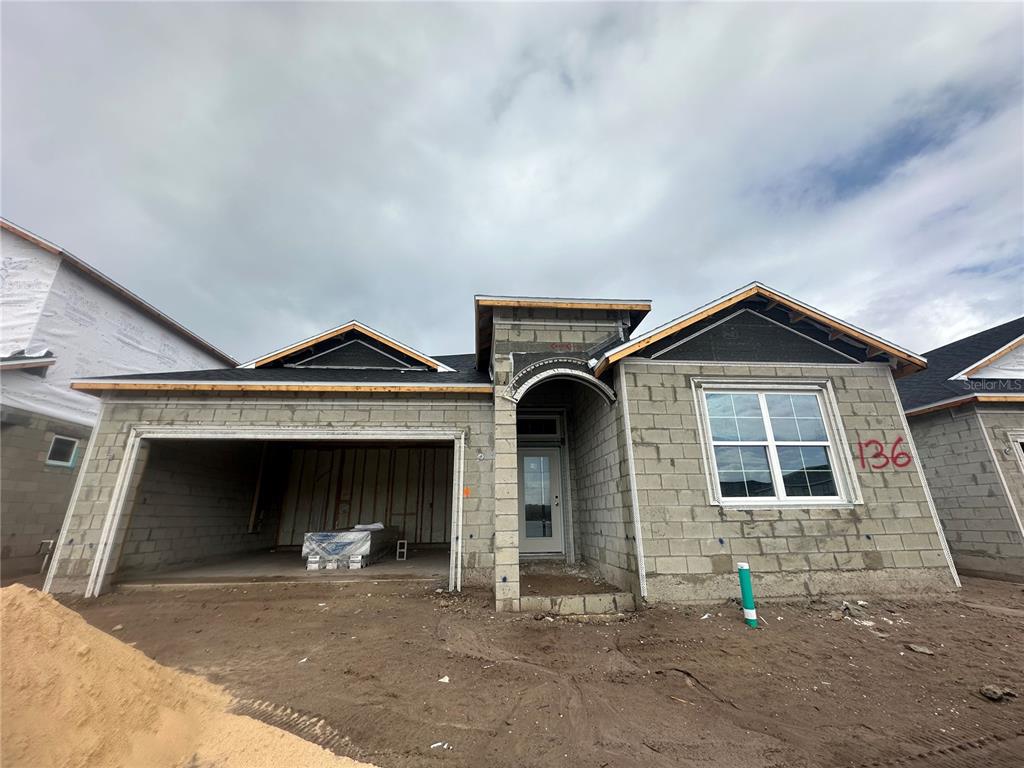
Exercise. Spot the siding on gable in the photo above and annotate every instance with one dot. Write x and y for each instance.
(356, 354)
(748, 337)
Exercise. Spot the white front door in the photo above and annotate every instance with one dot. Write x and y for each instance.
(540, 501)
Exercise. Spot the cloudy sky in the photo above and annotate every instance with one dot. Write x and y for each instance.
(265, 171)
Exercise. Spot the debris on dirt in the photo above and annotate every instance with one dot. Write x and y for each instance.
(441, 744)
(705, 616)
(856, 610)
(996, 693)
(117, 628)
(82, 697)
(923, 649)
(444, 679)
(304, 659)
(542, 689)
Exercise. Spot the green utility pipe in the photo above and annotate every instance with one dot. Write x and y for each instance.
(747, 592)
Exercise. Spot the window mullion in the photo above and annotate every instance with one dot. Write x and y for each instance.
(773, 458)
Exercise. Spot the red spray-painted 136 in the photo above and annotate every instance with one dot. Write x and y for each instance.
(880, 459)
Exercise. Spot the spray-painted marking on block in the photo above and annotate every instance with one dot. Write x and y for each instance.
(873, 455)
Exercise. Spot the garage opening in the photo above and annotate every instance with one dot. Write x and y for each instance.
(212, 510)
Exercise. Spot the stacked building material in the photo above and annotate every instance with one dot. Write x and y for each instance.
(352, 549)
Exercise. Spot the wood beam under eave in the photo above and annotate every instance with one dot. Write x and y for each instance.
(795, 318)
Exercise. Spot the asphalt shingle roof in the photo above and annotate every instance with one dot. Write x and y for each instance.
(932, 385)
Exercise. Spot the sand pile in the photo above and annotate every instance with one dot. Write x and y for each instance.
(75, 696)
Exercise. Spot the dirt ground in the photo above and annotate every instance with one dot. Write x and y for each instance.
(814, 686)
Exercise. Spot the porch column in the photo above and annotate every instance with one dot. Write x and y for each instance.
(506, 494)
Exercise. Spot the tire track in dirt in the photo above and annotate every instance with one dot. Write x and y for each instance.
(581, 727)
(985, 751)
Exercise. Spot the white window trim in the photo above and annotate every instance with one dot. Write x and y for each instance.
(843, 471)
(74, 452)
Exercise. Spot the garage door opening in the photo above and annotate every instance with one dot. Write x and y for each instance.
(218, 511)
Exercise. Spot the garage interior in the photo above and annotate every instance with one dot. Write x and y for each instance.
(205, 511)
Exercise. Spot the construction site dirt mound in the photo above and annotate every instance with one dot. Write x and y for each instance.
(73, 695)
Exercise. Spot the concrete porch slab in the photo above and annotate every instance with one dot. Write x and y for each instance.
(573, 605)
(256, 567)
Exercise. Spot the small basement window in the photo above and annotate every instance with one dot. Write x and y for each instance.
(62, 451)
(771, 446)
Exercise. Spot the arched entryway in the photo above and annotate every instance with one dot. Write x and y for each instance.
(572, 500)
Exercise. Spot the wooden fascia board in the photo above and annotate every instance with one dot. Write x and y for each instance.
(24, 234)
(847, 330)
(808, 312)
(352, 326)
(671, 329)
(1000, 398)
(985, 362)
(566, 304)
(17, 365)
(197, 386)
(966, 400)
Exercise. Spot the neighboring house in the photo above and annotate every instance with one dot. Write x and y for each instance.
(736, 432)
(62, 320)
(967, 415)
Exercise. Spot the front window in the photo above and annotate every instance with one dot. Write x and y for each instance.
(770, 445)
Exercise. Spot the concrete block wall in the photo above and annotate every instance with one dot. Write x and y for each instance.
(553, 330)
(473, 414)
(980, 521)
(601, 504)
(1005, 427)
(527, 330)
(506, 495)
(887, 544)
(34, 495)
(192, 504)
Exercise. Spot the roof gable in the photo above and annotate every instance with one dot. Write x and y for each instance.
(745, 336)
(352, 353)
(956, 370)
(807, 319)
(117, 289)
(1007, 362)
(333, 341)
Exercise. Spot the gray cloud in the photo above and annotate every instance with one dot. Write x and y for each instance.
(264, 171)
